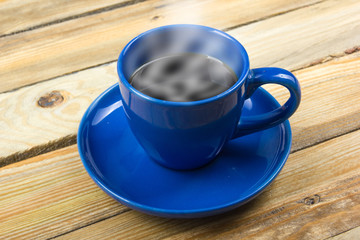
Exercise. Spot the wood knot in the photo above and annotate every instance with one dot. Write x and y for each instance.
(51, 99)
(311, 200)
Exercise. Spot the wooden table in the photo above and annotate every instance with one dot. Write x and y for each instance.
(57, 56)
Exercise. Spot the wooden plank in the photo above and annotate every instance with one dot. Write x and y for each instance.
(17, 15)
(24, 135)
(330, 211)
(51, 125)
(326, 86)
(348, 235)
(294, 219)
(52, 191)
(44, 53)
(303, 36)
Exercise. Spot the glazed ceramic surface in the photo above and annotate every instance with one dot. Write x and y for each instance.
(119, 165)
(187, 135)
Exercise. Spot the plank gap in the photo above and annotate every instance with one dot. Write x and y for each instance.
(325, 140)
(270, 16)
(38, 150)
(347, 234)
(62, 75)
(97, 221)
(329, 58)
(85, 14)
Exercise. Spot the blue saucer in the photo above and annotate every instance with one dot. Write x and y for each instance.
(117, 163)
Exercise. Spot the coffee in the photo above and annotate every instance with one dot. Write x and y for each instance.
(183, 78)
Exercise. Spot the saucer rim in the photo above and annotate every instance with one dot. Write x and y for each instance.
(190, 213)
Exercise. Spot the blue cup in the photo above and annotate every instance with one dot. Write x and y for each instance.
(188, 135)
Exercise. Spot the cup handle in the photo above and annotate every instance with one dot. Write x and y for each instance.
(258, 77)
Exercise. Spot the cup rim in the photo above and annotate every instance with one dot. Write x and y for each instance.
(238, 83)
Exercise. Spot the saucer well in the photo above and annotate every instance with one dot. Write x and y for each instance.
(119, 166)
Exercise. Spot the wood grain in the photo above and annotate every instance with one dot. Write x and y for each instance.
(53, 191)
(25, 125)
(330, 97)
(303, 36)
(17, 15)
(338, 209)
(45, 53)
(24, 135)
(316, 216)
(57, 56)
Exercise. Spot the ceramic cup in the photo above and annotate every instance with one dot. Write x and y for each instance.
(188, 135)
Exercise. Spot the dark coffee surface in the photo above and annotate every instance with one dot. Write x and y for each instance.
(183, 78)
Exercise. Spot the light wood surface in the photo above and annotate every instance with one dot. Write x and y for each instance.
(70, 46)
(17, 15)
(303, 36)
(330, 101)
(56, 57)
(336, 114)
